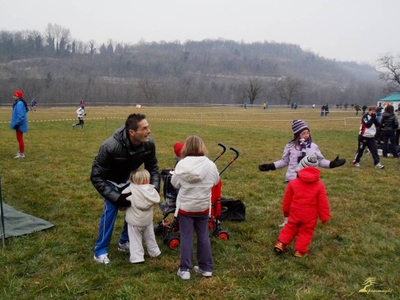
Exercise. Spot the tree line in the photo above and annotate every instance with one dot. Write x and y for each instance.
(56, 69)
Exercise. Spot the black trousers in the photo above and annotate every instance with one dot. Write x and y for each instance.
(363, 143)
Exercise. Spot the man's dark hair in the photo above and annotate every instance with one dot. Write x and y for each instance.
(133, 120)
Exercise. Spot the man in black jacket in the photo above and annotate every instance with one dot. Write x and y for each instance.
(128, 149)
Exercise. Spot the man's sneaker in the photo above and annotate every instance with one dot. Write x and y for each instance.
(185, 275)
(279, 247)
(73, 125)
(200, 271)
(123, 247)
(379, 166)
(19, 155)
(357, 165)
(300, 254)
(102, 259)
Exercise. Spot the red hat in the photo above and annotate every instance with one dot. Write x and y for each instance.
(178, 148)
(18, 94)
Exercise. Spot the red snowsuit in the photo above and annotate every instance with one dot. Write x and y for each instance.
(304, 200)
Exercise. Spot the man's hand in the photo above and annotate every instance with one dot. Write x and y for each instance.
(122, 202)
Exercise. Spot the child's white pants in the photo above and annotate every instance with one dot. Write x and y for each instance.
(136, 235)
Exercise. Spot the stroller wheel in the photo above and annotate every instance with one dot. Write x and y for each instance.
(221, 234)
(172, 242)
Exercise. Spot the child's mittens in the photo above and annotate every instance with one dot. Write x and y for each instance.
(337, 162)
(324, 222)
(266, 167)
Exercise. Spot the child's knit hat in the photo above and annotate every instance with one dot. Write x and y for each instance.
(298, 126)
(307, 161)
(178, 148)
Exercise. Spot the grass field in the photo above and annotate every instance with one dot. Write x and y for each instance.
(361, 240)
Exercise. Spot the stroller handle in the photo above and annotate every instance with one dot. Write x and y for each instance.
(231, 161)
(236, 152)
(221, 153)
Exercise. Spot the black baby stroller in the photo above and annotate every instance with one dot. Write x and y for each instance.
(170, 229)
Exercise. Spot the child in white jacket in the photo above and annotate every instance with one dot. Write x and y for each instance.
(80, 113)
(194, 176)
(139, 216)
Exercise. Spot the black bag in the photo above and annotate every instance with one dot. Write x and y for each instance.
(232, 210)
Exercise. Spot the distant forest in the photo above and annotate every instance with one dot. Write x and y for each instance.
(57, 69)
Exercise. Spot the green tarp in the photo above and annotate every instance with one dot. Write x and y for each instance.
(392, 97)
(17, 223)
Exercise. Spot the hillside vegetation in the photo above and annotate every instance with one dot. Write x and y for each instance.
(59, 70)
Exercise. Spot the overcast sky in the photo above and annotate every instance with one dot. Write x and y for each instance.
(347, 30)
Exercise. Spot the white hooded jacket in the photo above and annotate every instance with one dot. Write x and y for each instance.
(143, 198)
(194, 176)
(80, 112)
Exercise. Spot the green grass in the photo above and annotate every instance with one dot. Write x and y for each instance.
(52, 182)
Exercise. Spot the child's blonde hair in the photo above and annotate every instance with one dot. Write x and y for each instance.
(140, 177)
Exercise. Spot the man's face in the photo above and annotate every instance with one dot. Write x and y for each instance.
(141, 135)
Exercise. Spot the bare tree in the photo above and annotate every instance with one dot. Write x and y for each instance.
(50, 38)
(57, 36)
(32, 87)
(287, 88)
(252, 90)
(389, 67)
(149, 89)
(92, 47)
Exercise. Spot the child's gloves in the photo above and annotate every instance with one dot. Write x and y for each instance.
(337, 162)
(122, 202)
(286, 214)
(324, 222)
(266, 167)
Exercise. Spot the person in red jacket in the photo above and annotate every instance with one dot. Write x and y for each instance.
(304, 201)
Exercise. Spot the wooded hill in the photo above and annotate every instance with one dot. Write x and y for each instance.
(209, 72)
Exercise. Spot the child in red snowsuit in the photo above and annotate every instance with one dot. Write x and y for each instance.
(304, 201)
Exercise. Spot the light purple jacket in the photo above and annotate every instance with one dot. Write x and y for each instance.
(290, 159)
